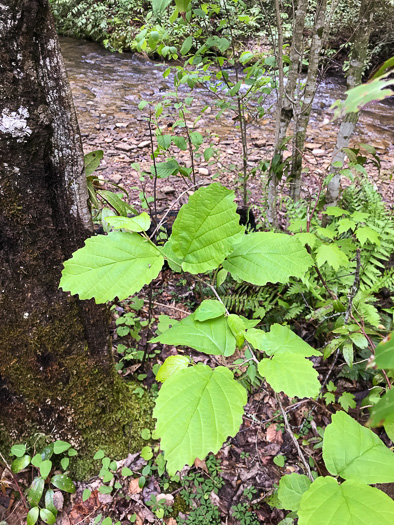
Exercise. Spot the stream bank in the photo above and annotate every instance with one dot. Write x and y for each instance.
(108, 87)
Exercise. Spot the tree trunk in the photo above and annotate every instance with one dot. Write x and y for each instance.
(302, 118)
(286, 95)
(354, 77)
(56, 369)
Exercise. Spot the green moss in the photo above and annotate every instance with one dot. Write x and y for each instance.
(180, 505)
(62, 386)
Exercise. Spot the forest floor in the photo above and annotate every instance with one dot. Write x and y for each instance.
(247, 468)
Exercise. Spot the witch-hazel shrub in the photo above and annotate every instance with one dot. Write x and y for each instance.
(199, 407)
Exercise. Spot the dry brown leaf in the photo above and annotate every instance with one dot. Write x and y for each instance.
(139, 521)
(133, 486)
(201, 464)
(171, 521)
(274, 435)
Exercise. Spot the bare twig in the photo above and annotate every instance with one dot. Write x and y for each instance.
(172, 307)
(292, 436)
(16, 482)
(155, 167)
(172, 205)
(355, 287)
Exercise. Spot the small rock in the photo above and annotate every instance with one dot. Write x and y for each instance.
(116, 178)
(168, 189)
(318, 152)
(124, 147)
(105, 499)
(143, 144)
(203, 171)
(169, 499)
(312, 145)
(121, 124)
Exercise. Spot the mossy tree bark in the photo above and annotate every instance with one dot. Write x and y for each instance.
(56, 368)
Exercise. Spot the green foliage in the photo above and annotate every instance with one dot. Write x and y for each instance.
(196, 490)
(115, 265)
(42, 464)
(206, 229)
(361, 456)
(287, 370)
(291, 489)
(185, 403)
(171, 365)
(349, 502)
(267, 257)
(211, 337)
(360, 459)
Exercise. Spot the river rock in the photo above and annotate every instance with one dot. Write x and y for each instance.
(116, 178)
(168, 189)
(124, 147)
(144, 143)
(203, 171)
(319, 152)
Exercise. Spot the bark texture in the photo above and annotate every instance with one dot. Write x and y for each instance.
(286, 95)
(56, 368)
(302, 117)
(354, 77)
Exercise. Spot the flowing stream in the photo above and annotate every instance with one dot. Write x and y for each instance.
(107, 88)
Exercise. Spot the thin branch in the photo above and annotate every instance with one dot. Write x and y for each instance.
(16, 482)
(293, 438)
(355, 287)
(172, 205)
(155, 167)
(170, 306)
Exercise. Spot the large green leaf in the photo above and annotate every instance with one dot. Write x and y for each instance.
(358, 97)
(49, 501)
(35, 491)
(291, 489)
(211, 337)
(32, 516)
(159, 5)
(260, 258)
(62, 482)
(385, 352)
(281, 340)
(109, 266)
(165, 169)
(92, 161)
(292, 374)
(351, 503)
(206, 228)
(355, 452)
(383, 411)
(171, 366)
(209, 309)
(20, 463)
(196, 410)
(139, 223)
(47, 516)
(332, 255)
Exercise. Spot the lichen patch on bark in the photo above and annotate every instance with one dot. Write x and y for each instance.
(14, 123)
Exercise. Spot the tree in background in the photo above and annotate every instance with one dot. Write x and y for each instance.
(357, 66)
